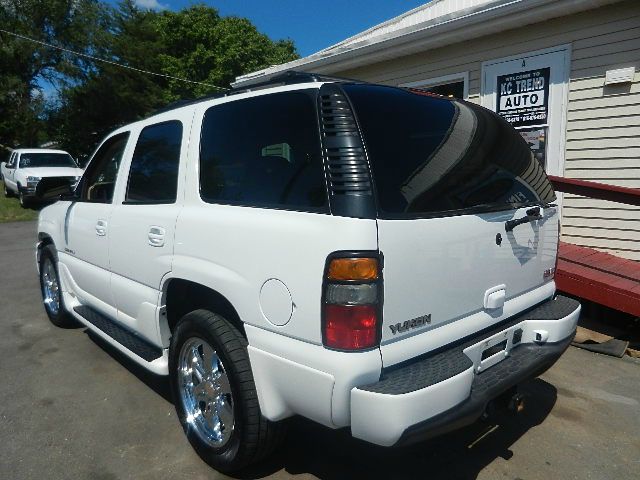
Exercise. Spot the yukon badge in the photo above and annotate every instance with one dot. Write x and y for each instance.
(410, 324)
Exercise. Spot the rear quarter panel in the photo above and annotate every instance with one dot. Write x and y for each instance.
(235, 250)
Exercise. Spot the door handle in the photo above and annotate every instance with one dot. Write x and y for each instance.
(101, 228)
(156, 236)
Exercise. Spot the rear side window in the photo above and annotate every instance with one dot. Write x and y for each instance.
(153, 176)
(432, 155)
(263, 151)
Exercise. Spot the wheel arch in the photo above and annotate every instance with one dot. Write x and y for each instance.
(181, 296)
(44, 239)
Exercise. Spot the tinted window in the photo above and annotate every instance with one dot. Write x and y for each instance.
(431, 154)
(99, 179)
(153, 176)
(36, 160)
(263, 151)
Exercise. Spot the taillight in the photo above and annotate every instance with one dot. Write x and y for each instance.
(351, 302)
(550, 273)
(555, 267)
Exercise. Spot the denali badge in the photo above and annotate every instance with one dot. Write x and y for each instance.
(415, 323)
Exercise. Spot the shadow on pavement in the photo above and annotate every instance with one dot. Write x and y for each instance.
(333, 454)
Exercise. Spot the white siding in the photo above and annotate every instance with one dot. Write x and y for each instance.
(603, 127)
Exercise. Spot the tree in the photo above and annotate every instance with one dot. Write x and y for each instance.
(24, 64)
(95, 97)
(195, 44)
(108, 95)
(202, 46)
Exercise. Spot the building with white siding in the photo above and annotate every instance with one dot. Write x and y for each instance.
(566, 73)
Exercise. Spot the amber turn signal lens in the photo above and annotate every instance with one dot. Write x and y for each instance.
(353, 269)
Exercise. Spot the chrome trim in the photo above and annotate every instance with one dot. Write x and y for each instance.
(205, 392)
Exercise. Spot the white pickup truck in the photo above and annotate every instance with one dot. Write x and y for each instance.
(25, 167)
(365, 256)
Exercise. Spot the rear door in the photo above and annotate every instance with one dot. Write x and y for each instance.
(448, 176)
(143, 221)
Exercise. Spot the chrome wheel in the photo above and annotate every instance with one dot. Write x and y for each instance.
(205, 392)
(50, 287)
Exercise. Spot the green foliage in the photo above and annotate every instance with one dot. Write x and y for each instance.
(95, 97)
(11, 211)
(202, 46)
(108, 95)
(64, 22)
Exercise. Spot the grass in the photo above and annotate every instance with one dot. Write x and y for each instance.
(11, 211)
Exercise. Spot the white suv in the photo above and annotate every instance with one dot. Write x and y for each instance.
(362, 255)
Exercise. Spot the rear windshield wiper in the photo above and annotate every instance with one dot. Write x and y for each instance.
(533, 204)
(531, 215)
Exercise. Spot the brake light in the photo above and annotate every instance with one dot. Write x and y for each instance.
(351, 327)
(351, 303)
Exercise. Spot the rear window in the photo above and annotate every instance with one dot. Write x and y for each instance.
(432, 155)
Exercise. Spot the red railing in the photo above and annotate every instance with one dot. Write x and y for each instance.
(593, 275)
(601, 191)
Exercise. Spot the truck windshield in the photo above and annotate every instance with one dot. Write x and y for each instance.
(432, 155)
(36, 160)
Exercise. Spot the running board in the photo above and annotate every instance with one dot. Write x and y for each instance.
(125, 337)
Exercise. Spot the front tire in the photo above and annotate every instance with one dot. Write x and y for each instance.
(51, 290)
(215, 395)
(24, 203)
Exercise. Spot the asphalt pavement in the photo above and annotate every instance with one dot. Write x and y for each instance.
(71, 407)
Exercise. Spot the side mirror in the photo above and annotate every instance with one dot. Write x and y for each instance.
(54, 188)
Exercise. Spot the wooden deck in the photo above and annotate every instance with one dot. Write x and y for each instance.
(599, 277)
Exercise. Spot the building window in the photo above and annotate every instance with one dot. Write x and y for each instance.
(451, 90)
(452, 86)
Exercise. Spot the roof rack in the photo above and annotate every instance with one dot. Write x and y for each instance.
(288, 77)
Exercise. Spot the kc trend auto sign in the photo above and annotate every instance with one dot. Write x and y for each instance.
(523, 97)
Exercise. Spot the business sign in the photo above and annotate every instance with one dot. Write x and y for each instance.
(523, 97)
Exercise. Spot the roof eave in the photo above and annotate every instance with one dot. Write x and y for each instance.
(486, 20)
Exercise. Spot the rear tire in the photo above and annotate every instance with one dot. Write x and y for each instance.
(7, 192)
(52, 291)
(215, 395)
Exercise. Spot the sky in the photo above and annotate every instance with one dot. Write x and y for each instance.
(311, 24)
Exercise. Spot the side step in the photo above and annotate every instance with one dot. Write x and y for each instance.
(122, 335)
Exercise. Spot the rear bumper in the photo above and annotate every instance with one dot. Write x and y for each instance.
(450, 388)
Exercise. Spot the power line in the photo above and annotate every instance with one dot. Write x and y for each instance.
(97, 59)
